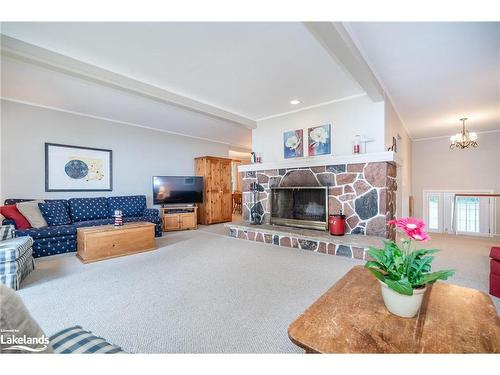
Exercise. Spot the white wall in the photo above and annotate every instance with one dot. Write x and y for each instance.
(436, 167)
(138, 153)
(348, 118)
(394, 128)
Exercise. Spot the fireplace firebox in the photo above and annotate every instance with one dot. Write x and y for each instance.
(304, 207)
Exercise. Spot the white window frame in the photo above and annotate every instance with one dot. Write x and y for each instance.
(452, 229)
(427, 194)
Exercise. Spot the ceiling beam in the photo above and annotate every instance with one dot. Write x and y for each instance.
(30, 53)
(337, 42)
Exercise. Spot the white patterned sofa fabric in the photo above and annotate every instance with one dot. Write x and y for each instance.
(76, 340)
(16, 261)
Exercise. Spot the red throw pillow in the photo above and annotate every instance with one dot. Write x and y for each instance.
(11, 212)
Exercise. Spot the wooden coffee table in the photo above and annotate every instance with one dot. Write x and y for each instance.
(108, 241)
(351, 318)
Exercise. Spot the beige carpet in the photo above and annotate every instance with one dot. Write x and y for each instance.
(469, 256)
(201, 292)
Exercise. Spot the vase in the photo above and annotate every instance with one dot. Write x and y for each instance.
(400, 304)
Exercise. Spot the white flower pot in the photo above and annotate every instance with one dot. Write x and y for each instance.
(401, 305)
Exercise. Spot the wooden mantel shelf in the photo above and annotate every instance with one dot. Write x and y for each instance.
(388, 156)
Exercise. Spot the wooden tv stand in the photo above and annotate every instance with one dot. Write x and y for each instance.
(172, 220)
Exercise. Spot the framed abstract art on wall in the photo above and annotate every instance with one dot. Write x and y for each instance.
(293, 144)
(319, 140)
(76, 168)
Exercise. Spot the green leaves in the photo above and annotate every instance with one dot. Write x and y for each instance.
(404, 272)
(438, 275)
(400, 286)
(378, 255)
(379, 275)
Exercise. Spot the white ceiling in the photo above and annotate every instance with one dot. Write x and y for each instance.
(436, 73)
(30, 83)
(250, 69)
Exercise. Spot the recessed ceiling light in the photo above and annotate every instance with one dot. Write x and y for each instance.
(294, 102)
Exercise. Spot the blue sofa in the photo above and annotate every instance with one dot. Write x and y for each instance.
(86, 212)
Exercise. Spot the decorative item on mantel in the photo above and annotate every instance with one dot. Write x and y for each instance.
(359, 144)
(403, 273)
(255, 157)
(356, 145)
(118, 218)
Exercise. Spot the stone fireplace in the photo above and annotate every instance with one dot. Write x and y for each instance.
(290, 201)
(364, 190)
(303, 207)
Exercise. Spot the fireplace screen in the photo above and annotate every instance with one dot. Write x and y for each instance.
(300, 207)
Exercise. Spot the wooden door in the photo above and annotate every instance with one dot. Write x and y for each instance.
(226, 200)
(215, 191)
(201, 170)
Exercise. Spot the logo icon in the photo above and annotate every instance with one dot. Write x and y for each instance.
(13, 343)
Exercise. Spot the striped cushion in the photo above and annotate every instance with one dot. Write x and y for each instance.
(14, 248)
(6, 232)
(13, 280)
(15, 265)
(77, 340)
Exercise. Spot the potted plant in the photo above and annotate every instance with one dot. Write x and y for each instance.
(404, 272)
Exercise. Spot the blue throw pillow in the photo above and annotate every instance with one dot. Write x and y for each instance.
(55, 213)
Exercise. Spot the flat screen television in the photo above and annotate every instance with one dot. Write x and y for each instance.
(177, 189)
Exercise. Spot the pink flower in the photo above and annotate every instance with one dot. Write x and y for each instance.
(408, 223)
(414, 228)
(418, 235)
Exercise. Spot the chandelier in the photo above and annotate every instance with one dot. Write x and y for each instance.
(464, 139)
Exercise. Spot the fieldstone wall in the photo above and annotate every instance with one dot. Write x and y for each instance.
(365, 192)
(319, 246)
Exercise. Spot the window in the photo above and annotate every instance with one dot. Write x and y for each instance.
(467, 212)
(433, 212)
(472, 214)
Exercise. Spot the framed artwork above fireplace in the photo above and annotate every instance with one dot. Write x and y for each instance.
(319, 140)
(293, 144)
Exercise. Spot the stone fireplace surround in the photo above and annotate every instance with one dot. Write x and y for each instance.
(365, 192)
(362, 186)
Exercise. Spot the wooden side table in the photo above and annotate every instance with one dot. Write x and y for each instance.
(351, 318)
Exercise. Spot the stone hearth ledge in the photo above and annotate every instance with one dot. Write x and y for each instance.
(387, 156)
(350, 245)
